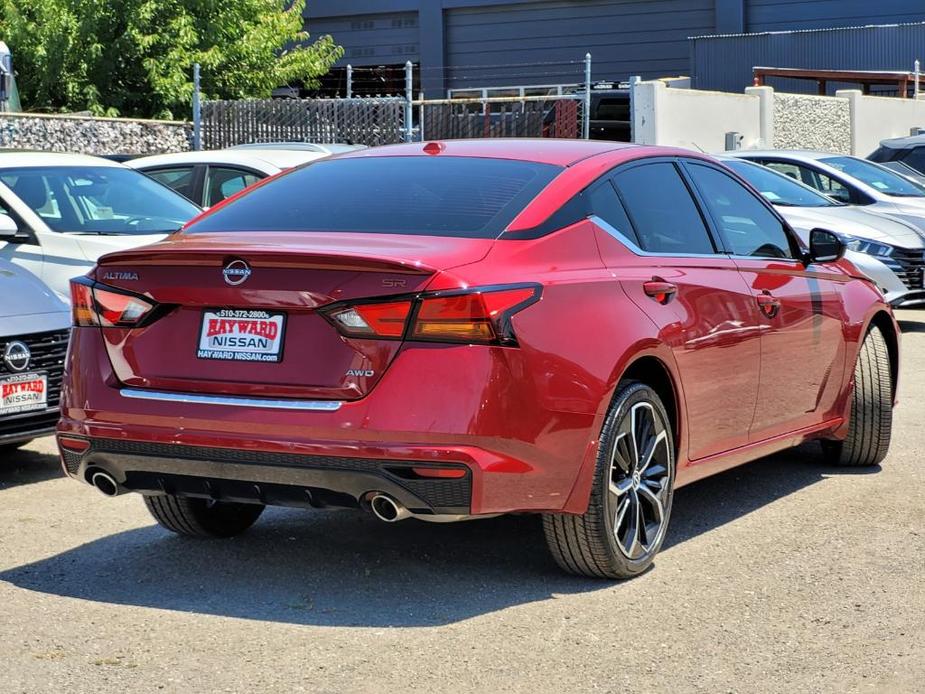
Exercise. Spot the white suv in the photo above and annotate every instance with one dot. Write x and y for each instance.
(34, 329)
(60, 212)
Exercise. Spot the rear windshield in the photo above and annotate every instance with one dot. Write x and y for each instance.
(433, 195)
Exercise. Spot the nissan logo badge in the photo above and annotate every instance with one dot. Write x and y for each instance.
(17, 356)
(236, 272)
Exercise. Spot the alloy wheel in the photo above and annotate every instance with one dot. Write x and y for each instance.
(640, 482)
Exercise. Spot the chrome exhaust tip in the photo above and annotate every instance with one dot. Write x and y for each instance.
(105, 483)
(386, 509)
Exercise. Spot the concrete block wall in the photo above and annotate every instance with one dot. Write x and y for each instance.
(811, 122)
(87, 135)
(848, 123)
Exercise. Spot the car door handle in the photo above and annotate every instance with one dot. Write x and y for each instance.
(660, 290)
(769, 304)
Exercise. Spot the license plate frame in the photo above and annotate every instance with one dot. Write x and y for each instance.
(30, 399)
(240, 335)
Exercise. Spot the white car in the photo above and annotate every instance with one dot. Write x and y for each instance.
(34, 329)
(208, 177)
(850, 180)
(889, 251)
(60, 212)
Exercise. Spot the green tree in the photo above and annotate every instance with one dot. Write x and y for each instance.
(135, 57)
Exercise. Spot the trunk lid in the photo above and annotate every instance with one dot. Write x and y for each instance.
(272, 310)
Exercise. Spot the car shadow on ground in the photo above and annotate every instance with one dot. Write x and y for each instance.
(343, 568)
(22, 466)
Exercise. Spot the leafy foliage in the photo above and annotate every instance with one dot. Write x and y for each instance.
(135, 57)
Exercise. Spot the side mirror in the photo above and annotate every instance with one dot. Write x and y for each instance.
(825, 246)
(8, 228)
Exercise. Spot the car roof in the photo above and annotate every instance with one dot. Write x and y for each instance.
(332, 148)
(794, 154)
(539, 150)
(10, 158)
(268, 161)
(907, 142)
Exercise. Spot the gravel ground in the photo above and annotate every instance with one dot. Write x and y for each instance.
(780, 576)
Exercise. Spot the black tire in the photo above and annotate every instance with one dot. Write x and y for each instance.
(201, 517)
(590, 544)
(871, 424)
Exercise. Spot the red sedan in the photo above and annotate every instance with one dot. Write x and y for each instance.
(463, 329)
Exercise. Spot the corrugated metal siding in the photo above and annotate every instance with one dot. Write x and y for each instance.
(372, 39)
(725, 63)
(624, 37)
(782, 15)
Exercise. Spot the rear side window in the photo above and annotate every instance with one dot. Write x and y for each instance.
(664, 215)
(604, 203)
(426, 195)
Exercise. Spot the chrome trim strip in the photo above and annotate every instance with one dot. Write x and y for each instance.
(305, 405)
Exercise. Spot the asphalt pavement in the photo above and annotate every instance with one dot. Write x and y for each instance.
(784, 575)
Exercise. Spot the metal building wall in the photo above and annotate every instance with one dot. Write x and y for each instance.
(624, 37)
(372, 39)
(789, 15)
(725, 63)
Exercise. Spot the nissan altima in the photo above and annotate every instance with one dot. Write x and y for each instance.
(455, 330)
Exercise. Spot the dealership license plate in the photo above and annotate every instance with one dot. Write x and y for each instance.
(23, 393)
(237, 335)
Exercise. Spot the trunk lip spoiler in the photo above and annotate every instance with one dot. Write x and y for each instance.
(232, 401)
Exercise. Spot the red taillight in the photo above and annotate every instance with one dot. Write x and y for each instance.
(95, 305)
(476, 316)
(373, 320)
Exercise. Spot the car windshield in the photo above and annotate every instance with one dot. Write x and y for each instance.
(434, 196)
(876, 177)
(779, 189)
(98, 199)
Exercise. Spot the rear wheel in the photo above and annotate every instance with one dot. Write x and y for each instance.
(202, 517)
(627, 517)
(871, 422)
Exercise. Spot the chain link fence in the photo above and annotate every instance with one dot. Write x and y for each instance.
(376, 121)
(358, 121)
(549, 116)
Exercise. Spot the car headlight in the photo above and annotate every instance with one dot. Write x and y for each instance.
(880, 250)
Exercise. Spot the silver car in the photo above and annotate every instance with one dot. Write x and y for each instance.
(850, 180)
(889, 251)
(34, 330)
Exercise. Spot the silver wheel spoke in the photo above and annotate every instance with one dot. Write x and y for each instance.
(661, 438)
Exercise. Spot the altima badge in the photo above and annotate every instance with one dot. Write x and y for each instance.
(236, 272)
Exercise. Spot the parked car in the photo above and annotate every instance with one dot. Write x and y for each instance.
(850, 180)
(889, 251)
(904, 170)
(571, 328)
(34, 328)
(908, 150)
(208, 177)
(65, 210)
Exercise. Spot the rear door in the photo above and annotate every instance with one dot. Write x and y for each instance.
(707, 316)
(800, 310)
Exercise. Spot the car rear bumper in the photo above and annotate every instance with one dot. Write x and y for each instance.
(282, 479)
(515, 454)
